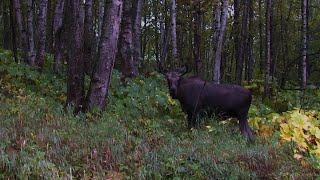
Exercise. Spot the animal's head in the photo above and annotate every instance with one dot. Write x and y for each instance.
(173, 78)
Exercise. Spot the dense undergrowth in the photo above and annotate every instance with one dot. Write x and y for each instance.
(143, 134)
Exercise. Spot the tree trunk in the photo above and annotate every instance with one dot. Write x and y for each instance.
(49, 26)
(174, 31)
(243, 42)
(261, 37)
(31, 45)
(237, 42)
(197, 35)
(22, 39)
(72, 26)
(250, 60)
(137, 15)
(6, 25)
(267, 86)
(101, 78)
(157, 37)
(100, 24)
(13, 32)
(88, 38)
(163, 37)
(304, 44)
(42, 33)
(125, 46)
(222, 21)
(57, 34)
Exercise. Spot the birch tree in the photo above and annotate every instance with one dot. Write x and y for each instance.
(42, 32)
(221, 20)
(100, 81)
(57, 34)
(137, 15)
(30, 24)
(304, 44)
(267, 82)
(22, 39)
(75, 71)
(174, 31)
(125, 45)
(88, 37)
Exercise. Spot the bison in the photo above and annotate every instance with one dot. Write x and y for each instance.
(197, 96)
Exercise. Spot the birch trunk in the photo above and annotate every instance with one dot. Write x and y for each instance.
(174, 31)
(304, 44)
(197, 35)
(6, 26)
(163, 44)
(237, 43)
(42, 32)
(88, 37)
(137, 10)
(126, 50)
(250, 64)
(268, 50)
(221, 33)
(22, 40)
(75, 71)
(57, 34)
(32, 52)
(13, 32)
(101, 78)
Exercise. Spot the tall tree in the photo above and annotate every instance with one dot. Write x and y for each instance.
(242, 42)
(126, 49)
(197, 15)
(88, 37)
(13, 31)
(304, 52)
(21, 36)
(57, 34)
(267, 86)
(31, 44)
(261, 37)
(237, 42)
(174, 30)
(101, 15)
(249, 52)
(72, 27)
(42, 22)
(163, 44)
(137, 16)
(221, 20)
(101, 78)
(6, 25)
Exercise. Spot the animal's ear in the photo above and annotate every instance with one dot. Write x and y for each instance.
(183, 70)
(162, 70)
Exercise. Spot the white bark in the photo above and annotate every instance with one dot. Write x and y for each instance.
(304, 44)
(174, 30)
(222, 19)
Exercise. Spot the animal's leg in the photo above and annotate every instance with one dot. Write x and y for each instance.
(191, 120)
(244, 126)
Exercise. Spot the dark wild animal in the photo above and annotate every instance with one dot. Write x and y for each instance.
(197, 96)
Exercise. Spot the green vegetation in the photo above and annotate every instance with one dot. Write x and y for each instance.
(143, 133)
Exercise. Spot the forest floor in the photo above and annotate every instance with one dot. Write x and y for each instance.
(143, 134)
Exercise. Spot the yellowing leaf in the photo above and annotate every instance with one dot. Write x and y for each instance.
(298, 137)
(265, 131)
